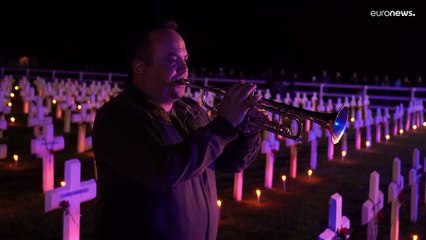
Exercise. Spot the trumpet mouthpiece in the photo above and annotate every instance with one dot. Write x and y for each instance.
(183, 81)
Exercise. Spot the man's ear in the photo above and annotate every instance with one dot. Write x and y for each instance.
(138, 66)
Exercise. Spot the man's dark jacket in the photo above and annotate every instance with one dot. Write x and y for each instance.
(156, 171)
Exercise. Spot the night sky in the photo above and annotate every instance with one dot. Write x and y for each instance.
(304, 36)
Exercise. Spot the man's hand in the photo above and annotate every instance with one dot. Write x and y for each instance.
(254, 121)
(237, 102)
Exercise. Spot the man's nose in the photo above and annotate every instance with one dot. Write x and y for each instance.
(183, 67)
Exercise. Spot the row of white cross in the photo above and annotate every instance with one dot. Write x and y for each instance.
(45, 143)
(375, 202)
(74, 192)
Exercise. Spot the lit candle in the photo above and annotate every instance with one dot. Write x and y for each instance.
(414, 127)
(15, 158)
(387, 137)
(284, 178)
(343, 153)
(310, 173)
(401, 131)
(12, 119)
(258, 195)
(415, 237)
(63, 183)
(367, 143)
(219, 205)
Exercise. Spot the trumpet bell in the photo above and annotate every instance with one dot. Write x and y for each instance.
(339, 124)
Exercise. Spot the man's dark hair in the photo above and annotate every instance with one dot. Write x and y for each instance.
(140, 46)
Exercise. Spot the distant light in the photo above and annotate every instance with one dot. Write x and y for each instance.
(9, 104)
(54, 101)
(15, 157)
(16, 88)
(343, 153)
(415, 237)
(387, 137)
(12, 119)
(414, 127)
(63, 183)
(401, 131)
(79, 107)
(424, 124)
(284, 178)
(219, 203)
(310, 172)
(352, 119)
(367, 143)
(12, 95)
(258, 193)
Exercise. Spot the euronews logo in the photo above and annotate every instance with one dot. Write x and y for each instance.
(392, 13)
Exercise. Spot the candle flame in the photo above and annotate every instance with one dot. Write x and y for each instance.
(387, 137)
(258, 193)
(352, 119)
(12, 95)
(414, 127)
(310, 172)
(16, 88)
(79, 107)
(9, 104)
(219, 203)
(54, 101)
(401, 131)
(415, 237)
(343, 153)
(283, 177)
(15, 157)
(424, 124)
(12, 119)
(367, 144)
(63, 183)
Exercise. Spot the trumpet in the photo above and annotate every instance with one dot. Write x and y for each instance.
(334, 122)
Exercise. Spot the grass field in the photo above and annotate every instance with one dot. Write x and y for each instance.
(299, 213)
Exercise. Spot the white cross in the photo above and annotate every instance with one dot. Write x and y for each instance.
(238, 186)
(377, 122)
(270, 145)
(39, 120)
(293, 150)
(414, 179)
(353, 108)
(410, 120)
(385, 118)
(368, 122)
(394, 189)
(372, 206)
(401, 117)
(45, 147)
(70, 197)
(358, 124)
(312, 138)
(82, 118)
(67, 107)
(335, 219)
